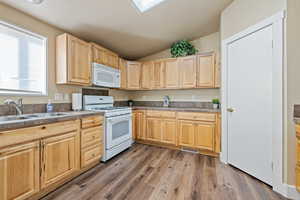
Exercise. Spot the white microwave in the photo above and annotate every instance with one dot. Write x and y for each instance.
(105, 76)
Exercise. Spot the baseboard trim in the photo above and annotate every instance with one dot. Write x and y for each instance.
(292, 193)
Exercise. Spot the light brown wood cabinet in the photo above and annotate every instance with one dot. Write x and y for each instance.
(298, 157)
(73, 64)
(104, 56)
(60, 158)
(123, 71)
(169, 131)
(19, 171)
(199, 131)
(147, 74)
(172, 74)
(206, 70)
(188, 71)
(139, 125)
(158, 75)
(134, 70)
(91, 140)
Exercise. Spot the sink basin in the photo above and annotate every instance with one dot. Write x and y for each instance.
(14, 118)
(30, 116)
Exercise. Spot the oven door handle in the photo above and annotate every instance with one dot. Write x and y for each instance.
(111, 120)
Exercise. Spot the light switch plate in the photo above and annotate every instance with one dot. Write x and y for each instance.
(58, 97)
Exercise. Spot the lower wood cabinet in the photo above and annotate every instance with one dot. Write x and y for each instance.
(139, 125)
(19, 171)
(59, 157)
(298, 158)
(37, 160)
(194, 130)
(169, 131)
(154, 126)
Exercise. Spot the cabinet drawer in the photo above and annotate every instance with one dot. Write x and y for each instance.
(91, 136)
(162, 114)
(91, 121)
(37, 132)
(197, 116)
(90, 155)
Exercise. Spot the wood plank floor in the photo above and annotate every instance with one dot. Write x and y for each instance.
(145, 172)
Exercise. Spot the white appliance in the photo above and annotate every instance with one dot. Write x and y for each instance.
(105, 76)
(118, 124)
(76, 101)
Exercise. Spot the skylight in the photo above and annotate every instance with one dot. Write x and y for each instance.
(144, 5)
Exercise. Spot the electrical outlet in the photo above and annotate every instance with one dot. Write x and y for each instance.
(58, 97)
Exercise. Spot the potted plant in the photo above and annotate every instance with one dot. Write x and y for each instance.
(216, 103)
(130, 103)
(182, 48)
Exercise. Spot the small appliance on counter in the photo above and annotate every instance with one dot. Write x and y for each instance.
(117, 135)
(76, 101)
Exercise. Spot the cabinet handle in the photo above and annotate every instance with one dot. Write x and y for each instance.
(44, 127)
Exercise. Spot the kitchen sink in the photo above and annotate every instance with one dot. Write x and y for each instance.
(30, 116)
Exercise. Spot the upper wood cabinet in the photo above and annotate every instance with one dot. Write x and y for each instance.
(19, 171)
(72, 61)
(147, 75)
(158, 75)
(206, 71)
(123, 71)
(188, 71)
(134, 70)
(60, 158)
(104, 56)
(171, 73)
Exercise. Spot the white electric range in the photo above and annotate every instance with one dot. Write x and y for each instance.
(118, 124)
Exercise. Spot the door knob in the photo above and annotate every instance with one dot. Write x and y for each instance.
(230, 109)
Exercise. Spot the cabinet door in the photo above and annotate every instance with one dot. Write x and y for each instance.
(134, 124)
(112, 60)
(186, 131)
(217, 74)
(60, 157)
(169, 131)
(133, 75)
(147, 74)
(79, 66)
(204, 136)
(171, 74)
(123, 71)
(206, 71)
(188, 72)
(19, 171)
(140, 125)
(99, 54)
(154, 128)
(158, 76)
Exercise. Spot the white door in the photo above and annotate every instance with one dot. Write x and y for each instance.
(250, 97)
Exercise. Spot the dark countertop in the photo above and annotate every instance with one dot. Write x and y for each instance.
(9, 125)
(208, 110)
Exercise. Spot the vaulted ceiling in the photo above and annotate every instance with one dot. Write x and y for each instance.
(119, 26)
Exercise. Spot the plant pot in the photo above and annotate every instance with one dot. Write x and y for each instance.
(215, 106)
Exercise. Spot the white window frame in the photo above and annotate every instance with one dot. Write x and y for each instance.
(4, 92)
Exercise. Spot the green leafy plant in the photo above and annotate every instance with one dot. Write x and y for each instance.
(182, 48)
(216, 101)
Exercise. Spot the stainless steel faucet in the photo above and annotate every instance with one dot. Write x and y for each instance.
(166, 101)
(18, 105)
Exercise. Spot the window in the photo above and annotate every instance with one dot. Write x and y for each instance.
(22, 62)
(144, 5)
